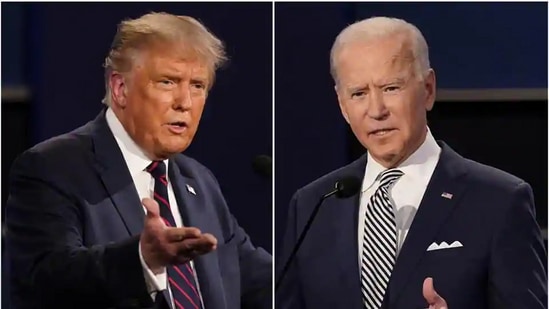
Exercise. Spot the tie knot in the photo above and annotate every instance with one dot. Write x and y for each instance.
(157, 169)
(388, 177)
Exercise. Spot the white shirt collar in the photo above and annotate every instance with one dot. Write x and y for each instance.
(411, 167)
(134, 156)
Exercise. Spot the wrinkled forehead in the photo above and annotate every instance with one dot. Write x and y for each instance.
(380, 55)
(172, 57)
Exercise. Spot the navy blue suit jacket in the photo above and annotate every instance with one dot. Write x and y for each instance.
(502, 263)
(73, 223)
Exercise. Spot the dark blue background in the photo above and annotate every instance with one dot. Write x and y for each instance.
(65, 45)
(472, 46)
(57, 49)
(478, 45)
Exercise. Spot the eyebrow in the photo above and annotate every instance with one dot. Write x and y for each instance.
(385, 82)
(178, 75)
(199, 79)
(352, 89)
(395, 80)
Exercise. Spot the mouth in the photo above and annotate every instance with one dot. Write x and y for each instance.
(177, 127)
(381, 132)
(178, 124)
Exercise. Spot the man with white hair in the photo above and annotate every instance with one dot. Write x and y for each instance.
(429, 228)
(112, 215)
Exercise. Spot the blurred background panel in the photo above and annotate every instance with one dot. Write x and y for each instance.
(52, 82)
(490, 61)
(477, 45)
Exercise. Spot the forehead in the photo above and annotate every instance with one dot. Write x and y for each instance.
(377, 58)
(171, 59)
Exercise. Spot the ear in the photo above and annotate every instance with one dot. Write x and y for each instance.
(342, 105)
(118, 86)
(430, 84)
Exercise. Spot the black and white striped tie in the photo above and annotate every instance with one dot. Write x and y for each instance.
(379, 242)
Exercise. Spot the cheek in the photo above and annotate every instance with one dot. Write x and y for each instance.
(198, 107)
(359, 121)
(356, 112)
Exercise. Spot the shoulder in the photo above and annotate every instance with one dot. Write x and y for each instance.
(491, 178)
(58, 152)
(489, 189)
(191, 167)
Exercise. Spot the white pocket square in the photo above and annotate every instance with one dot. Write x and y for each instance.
(444, 245)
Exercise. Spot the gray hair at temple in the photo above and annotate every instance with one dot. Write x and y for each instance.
(135, 35)
(379, 27)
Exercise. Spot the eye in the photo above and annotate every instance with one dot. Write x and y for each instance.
(198, 85)
(166, 82)
(358, 94)
(391, 88)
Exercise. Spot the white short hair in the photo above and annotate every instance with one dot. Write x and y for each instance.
(379, 27)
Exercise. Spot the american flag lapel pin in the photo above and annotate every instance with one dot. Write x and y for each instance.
(191, 190)
(447, 195)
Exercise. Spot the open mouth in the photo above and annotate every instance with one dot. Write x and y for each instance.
(177, 127)
(179, 124)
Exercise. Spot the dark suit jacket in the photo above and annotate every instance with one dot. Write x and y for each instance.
(502, 263)
(73, 222)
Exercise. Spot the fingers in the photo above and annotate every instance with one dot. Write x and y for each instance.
(190, 242)
(162, 245)
(204, 244)
(178, 234)
(429, 292)
(153, 210)
(188, 249)
(434, 300)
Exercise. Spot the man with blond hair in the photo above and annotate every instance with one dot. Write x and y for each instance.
(429, 228)
(112, 215)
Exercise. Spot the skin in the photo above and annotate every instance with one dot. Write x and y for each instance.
(434, 300)
(165, 84)
(378, 88)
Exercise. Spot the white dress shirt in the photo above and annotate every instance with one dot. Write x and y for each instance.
(407, 192)
(137, 162)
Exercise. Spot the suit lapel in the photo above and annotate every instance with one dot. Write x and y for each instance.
(347, 261)
(346, 236)
(116, 177)
(430, 217)
(192, 206)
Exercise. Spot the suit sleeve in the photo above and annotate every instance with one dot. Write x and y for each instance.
(289, 295)
(518, 275)
(255, 272)
(254, 263)
(48, 259)
(155, 282)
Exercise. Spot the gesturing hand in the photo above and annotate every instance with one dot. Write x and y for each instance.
(162, 245)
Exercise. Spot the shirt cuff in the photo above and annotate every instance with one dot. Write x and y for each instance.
(154, 282)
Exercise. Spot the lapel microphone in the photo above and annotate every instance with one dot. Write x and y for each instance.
(344, 188)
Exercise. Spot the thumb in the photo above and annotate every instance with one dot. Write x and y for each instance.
(153, 210)
(429, 293)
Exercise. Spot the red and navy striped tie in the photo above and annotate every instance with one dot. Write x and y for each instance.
(181, 278)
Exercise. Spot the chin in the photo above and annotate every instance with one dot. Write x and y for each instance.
(173, 149)
(386, 153)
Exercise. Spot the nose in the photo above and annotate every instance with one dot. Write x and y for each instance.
(376, 106)
(182, 100)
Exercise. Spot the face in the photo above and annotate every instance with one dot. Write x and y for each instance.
(382, 99)
(160, 101)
